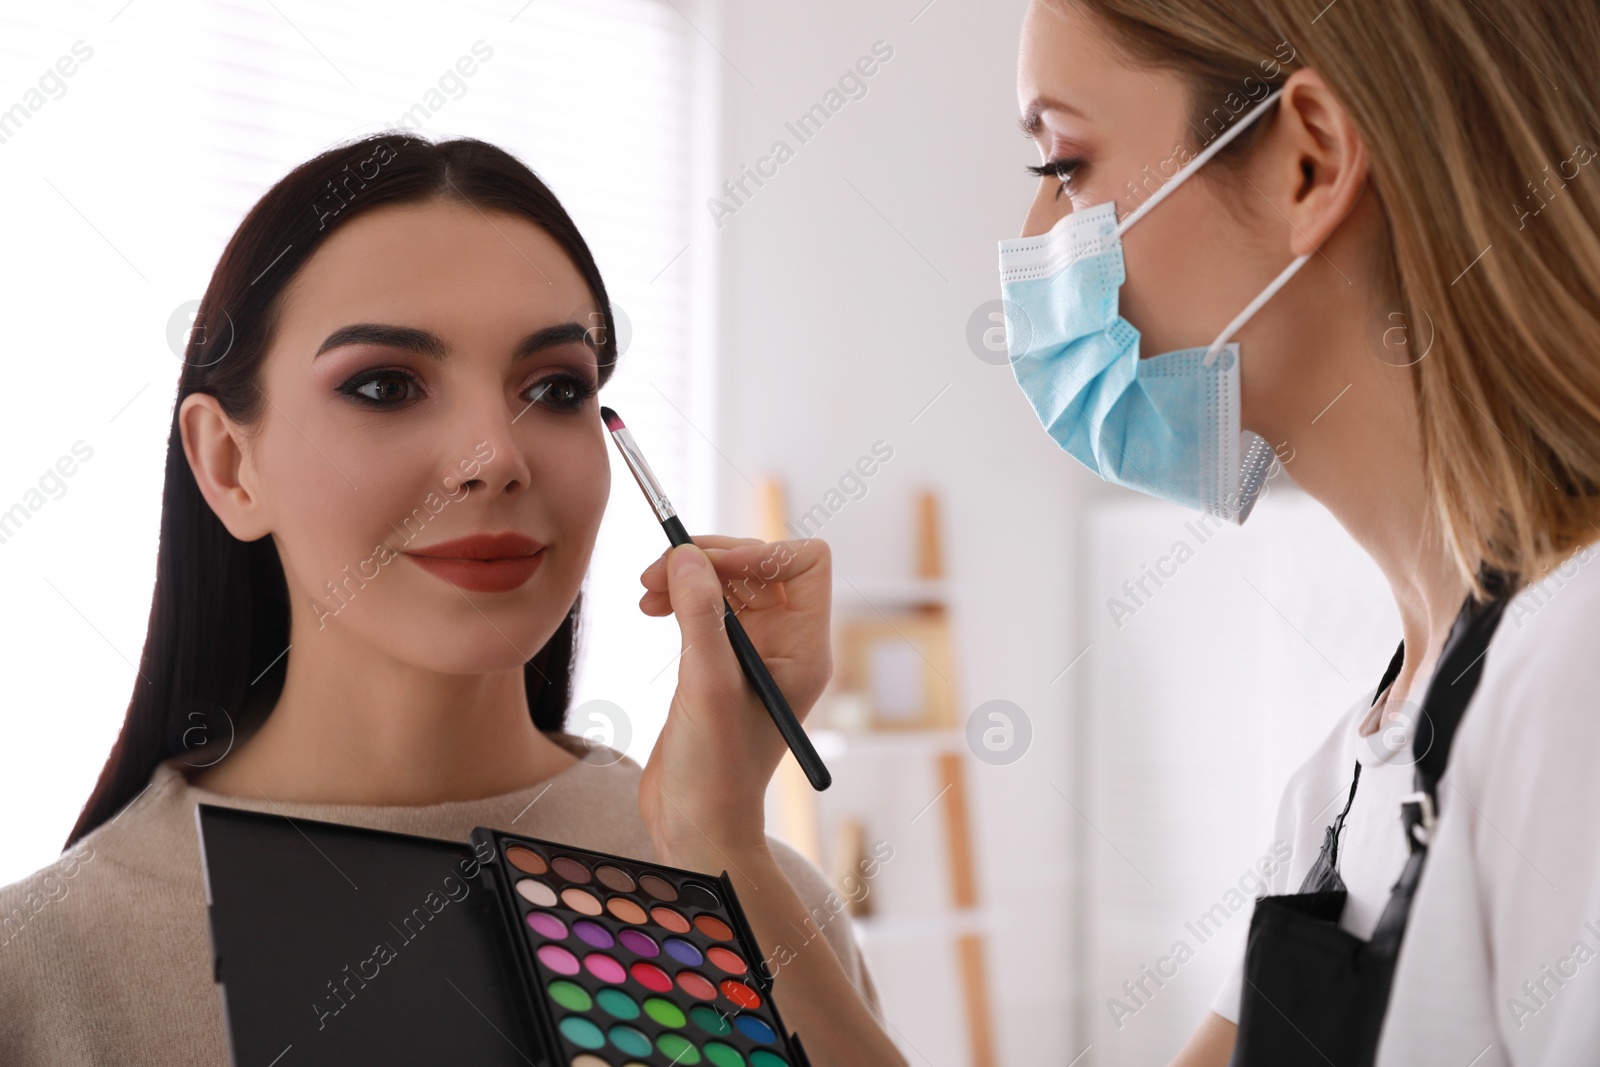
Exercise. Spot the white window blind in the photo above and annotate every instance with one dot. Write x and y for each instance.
(122, 182)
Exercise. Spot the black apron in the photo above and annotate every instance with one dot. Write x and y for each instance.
(1313, 992)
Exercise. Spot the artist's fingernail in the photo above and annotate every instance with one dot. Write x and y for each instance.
(688, 561)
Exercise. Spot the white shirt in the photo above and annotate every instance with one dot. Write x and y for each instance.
(1499, 962)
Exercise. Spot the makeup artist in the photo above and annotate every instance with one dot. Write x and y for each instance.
(390, 409)
(1357, 245)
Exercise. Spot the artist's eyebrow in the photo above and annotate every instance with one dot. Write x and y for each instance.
(1029, 122)
(429, 344)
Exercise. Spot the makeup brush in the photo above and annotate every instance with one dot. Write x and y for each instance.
(755, 670)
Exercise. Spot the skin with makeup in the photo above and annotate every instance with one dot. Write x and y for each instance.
(1206, 251)
(417, 336)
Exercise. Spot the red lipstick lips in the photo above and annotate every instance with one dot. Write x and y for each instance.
(483, 563)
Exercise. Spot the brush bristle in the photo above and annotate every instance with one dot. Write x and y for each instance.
(613, 422)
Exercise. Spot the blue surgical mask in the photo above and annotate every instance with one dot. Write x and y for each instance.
(1167, 425)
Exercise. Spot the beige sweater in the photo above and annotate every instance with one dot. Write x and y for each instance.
(105, 955)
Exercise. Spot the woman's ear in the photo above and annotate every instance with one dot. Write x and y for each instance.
(216, 449)
(1325, 165)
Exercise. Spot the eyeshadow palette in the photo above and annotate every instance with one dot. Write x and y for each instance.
(337, 944)
(629, 964)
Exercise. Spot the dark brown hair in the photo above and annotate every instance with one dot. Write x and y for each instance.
(219, 617)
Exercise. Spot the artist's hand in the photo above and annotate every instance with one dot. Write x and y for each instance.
(703, 788)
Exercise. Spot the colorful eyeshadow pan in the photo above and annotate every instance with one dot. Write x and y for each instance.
(558, 959)
(604, 967)
(625, 909)
(650, 976)
(536, 892)
(695, 895)
(725, 960)
(631, 1041)
(582, 1032)
(526, 860)
(593, 934)
(658, 887)
(759, 1058)
(665, 1012)
(696, 986)
(741, 994)
(720, 1055)
(669, 919)
(570, 995)
(571, 870)
(710, 1020)
(678, 1049)
(682, 951)
(713, 927)
(587, 1060)
(548, 925)
(581, 901)
(614, 878)
(639, 943)
(616, 1003)
(752, 1027)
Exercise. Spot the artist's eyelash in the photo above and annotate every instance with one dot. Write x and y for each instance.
(583, 389)
(1060, 169)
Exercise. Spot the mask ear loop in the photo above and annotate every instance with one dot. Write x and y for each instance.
(1197, 162)
(1178, 179)
(1251, 308)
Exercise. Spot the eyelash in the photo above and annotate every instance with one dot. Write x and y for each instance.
(582, 388)
(1060, 169)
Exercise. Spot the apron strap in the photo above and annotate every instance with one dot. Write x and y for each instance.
(1390, 673)
(1454, 680)
(1324, 873)
(1443, 705)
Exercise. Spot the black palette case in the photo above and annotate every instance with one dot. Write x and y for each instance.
(337, 944)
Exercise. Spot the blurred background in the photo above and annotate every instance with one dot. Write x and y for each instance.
(1058, 739)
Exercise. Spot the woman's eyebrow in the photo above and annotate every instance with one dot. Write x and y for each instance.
(1029, 122)
(432, 345)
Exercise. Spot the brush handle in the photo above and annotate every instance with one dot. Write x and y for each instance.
(783, 717)
(761, 680)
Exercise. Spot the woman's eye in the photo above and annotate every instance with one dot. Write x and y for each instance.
(393, 388)
(1062, 170)
(381, 388)
(563, 392)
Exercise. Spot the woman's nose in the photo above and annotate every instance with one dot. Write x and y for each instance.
(494, 461)
(1046, 209)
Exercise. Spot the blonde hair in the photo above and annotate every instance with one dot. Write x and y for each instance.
(1479, 119)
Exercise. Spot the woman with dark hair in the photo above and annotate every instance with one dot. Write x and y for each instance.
(385, 475)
